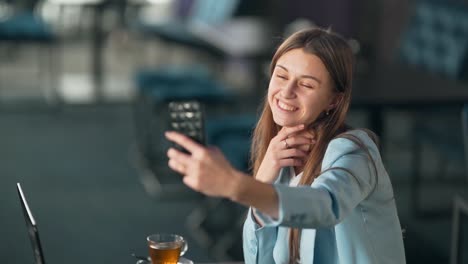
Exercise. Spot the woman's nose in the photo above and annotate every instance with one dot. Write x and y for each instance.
(288, 91)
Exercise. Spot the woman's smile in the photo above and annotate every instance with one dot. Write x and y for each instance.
(285, 107)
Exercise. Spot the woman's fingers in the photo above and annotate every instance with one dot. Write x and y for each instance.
(178, 161)
(286, 132)
(178, 156)
(290, 162)
(296, 141)
(305, 148)
(186, 142)
(178, 167)
(296, 136)
(292, 153)
(306, 133)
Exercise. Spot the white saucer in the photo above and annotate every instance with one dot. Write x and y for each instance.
(183, 260)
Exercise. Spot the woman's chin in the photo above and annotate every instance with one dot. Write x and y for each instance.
(286, 123)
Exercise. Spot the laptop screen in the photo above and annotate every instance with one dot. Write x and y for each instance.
(31, 226)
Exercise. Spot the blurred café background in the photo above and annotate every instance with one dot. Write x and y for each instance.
(84, 89)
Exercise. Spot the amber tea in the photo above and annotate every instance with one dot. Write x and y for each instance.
(166, 248)
(165, 253)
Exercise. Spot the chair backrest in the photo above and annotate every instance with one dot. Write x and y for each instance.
(25, 27)
(233, 135)
(436, 38)
(459, 250)
(212, 12)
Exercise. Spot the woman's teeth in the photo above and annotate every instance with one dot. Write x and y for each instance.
(286, 107)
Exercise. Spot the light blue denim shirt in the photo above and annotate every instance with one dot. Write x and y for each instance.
(355, 216)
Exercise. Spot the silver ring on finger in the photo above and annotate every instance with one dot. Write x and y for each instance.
(286, 143)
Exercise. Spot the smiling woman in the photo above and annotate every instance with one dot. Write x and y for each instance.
(320, 192)
(300, 89)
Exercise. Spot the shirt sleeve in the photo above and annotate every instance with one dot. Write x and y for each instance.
(333, 195)
(258, 241)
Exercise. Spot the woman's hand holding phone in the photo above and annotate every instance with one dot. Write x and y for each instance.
(205, 170)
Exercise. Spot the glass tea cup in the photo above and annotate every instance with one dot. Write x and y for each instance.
(166, 248)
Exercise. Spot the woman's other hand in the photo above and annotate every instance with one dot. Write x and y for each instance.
(206, 170)
(290, 147)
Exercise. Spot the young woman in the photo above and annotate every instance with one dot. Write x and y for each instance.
(320, 193)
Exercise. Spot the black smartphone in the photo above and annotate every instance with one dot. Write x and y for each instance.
(188, 118)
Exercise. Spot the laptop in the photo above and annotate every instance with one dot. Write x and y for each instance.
(31, 225)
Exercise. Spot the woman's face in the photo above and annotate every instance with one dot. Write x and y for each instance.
(300, 89)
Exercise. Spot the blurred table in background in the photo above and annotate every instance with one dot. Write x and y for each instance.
(425, 96)
(397, 86)
(98, 35)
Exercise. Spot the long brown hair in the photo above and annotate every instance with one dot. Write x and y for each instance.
(338, 59)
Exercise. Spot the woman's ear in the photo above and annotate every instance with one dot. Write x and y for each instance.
(336, 100)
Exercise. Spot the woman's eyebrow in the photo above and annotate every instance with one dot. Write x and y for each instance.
(302, 76)
(282, 67)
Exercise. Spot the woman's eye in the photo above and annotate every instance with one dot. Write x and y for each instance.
(281, 77)
(306, 85)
